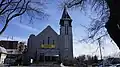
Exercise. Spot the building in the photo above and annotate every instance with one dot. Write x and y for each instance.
(8, 44)
(49, 46)
(3, 54)
(14, 50)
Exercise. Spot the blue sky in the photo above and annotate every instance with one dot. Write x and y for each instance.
(21, 31)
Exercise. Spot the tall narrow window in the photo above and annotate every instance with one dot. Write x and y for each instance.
(43, 41)
(48, 40)
(66, 29)
(53, 42)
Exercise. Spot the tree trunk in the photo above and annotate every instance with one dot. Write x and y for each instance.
(113, 22)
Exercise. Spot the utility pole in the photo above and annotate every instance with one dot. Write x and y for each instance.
(99, 42)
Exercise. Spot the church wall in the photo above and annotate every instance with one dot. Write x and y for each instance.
(52, 36)
(36, 42)
(67, 41)
(32, 45)
(71, 42)
(61, 45)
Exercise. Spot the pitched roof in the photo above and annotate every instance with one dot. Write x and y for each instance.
(47, 30)
(65, 14)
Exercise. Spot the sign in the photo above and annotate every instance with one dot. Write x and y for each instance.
(47, 46)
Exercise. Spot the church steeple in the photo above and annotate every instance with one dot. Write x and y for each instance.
(65, 14)
(65, 17)
(66, 40)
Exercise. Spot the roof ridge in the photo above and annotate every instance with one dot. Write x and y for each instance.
(48, 27)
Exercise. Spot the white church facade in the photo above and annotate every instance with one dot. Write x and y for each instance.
(49, 46)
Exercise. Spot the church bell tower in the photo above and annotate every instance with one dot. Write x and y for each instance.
(66, 38)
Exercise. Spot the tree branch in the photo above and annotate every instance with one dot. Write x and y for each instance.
(1, 3)
(15, 15)
(5, 7)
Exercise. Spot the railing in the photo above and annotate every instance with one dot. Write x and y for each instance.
(13, 51)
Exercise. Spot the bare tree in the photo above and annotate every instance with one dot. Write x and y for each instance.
(108, 15)
(10, 9)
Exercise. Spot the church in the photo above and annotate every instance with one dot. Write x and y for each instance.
(49, 46)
